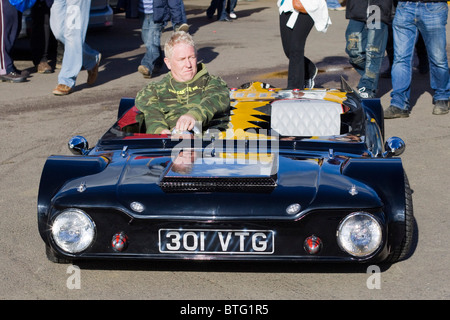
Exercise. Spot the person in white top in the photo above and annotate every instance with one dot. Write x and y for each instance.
(296, 21)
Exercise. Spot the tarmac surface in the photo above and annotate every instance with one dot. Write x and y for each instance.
(36, 124)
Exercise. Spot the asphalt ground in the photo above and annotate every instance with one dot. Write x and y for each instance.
(36, 124)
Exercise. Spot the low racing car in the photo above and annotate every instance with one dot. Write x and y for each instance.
(287, 175)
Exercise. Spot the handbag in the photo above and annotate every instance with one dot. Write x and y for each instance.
(297, 4)
(22, 5)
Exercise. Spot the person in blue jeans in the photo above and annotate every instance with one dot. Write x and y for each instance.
(334, 5)
(151, 36)
(430, 19)
(220, 6)
(69, 21)
(154, 15)
(366, 38)
(10, 19)
(231, 4)
(173, 10)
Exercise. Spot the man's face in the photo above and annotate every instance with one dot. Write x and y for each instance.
(183, 62)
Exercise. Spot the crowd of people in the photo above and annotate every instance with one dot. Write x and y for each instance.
(405, 26)
(374, 28)
(63, 21)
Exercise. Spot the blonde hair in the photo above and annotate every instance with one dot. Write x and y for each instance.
(176, 38)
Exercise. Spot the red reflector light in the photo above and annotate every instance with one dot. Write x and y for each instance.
(119, 242)
(312, 244)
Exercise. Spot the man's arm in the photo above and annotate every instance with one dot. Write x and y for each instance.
(155, 122)
(147, 101)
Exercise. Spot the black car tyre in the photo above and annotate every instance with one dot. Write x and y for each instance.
(402, 251)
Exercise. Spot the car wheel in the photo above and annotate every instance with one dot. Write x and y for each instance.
(401, 252)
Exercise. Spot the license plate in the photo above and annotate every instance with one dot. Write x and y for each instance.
(207, 241)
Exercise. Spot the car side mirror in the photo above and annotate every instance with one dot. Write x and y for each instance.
(78, 145)
(394, 146)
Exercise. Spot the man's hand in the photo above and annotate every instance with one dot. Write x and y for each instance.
(166, 131)
(185, 123)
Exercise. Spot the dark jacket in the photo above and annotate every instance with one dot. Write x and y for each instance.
(163, 10)
(357, 9)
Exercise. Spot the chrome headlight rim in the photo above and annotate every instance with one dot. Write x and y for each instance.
(65, 239)
(375, 241)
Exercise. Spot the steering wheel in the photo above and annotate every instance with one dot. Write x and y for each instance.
(194, 131)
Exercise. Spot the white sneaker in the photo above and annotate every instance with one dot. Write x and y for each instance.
(233, 15)
(183, 27)
(364, 94)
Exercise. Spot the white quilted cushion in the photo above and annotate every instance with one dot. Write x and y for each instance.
(306, 117)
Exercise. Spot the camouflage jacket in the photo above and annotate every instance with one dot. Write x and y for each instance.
(163, 102)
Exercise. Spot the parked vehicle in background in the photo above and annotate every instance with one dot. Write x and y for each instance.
(101, 16)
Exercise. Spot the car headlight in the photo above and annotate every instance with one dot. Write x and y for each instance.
(359, 234)
(73, 230)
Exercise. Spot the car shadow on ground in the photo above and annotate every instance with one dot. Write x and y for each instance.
(197, 17)
(420, 84)
(228, 266)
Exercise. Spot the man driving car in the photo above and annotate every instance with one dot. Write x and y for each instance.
(186, 95)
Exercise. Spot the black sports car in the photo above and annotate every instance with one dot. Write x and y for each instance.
(288, 175)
